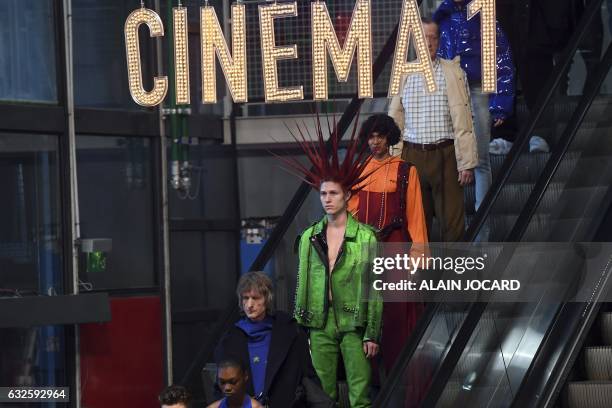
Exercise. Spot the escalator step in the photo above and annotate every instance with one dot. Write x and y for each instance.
(598, 363)
(501, 225)
(527, 169)
(606, 328)
(510, 201)
(589, 394)
(589, 133)
(521, 182)
(545, 228)
(450, 394)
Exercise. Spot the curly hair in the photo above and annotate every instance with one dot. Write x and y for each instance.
(175, 394)
(259, 282)
(382, 124)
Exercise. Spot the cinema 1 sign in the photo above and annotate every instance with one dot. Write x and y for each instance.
(358, 40)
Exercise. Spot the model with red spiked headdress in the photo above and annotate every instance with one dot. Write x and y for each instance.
(334, 295)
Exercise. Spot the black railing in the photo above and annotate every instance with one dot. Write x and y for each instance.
(560, 337)
(395, 375)
(460, 340)
(522, 139)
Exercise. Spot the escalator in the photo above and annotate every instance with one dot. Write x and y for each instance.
(489, 354)
(492, 354)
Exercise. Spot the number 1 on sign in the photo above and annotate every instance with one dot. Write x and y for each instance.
(486, 8)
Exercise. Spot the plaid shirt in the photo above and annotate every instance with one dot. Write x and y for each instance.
(427, 115)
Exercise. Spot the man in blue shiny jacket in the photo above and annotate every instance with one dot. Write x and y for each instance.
(462, 37)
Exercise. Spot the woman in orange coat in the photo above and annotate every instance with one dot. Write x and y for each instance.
(391, 202)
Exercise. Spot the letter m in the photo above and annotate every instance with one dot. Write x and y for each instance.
(324, 39)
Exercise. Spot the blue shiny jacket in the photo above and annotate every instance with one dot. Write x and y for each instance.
(460, 36)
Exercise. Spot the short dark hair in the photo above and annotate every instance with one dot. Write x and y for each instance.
(232, 361)
(427, 20)
(382, 124)
(175, 394)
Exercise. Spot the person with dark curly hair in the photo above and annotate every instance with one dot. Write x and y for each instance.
(175, 396)
(390, 196)
(390, 201)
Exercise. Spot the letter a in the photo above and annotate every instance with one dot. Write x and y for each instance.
(410, 23)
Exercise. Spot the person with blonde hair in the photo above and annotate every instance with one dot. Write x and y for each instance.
(279, 370)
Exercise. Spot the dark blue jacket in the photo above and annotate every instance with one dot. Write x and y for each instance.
(460, 36)
(290, 379)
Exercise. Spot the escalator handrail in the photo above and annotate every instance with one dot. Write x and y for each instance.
(523, 137)
(563, 146)
(584, 105)
(395, 374)
(562, 368)
(476, 309)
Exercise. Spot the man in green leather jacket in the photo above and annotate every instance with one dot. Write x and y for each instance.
(334, 295)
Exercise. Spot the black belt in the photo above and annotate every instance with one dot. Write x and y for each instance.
(431, 146)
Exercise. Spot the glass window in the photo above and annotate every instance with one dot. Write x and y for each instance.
(27, 54)
(33, 357)
(204, 275)
(116, 201)
(30, 223)
(280, 184)
(100, 68)
(204, 270)
(212, 192)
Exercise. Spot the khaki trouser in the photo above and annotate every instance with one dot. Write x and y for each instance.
(442, 194)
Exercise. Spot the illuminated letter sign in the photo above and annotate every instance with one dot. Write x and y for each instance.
(181, 55)
(324, 39)
(489, 42)
(410, 23)
(234, 66)
(358, 40)
(270, 53)
(132, 49)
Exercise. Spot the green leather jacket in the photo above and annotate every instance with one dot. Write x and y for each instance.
(356, 305)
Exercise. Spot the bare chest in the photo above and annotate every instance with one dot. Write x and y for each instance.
(335, 237)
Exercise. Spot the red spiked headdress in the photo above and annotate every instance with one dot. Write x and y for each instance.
(326, 165)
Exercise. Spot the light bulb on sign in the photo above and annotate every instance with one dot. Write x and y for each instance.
(234, 65)
(181, 55)
(324, 38)
(488, 42)
(410, 24)
(132, 49)
(270, 53)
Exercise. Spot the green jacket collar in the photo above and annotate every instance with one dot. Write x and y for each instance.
(351, 226)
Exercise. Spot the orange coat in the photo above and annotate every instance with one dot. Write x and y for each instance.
(377, 182)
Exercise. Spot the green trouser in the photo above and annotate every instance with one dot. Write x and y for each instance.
(325, 344)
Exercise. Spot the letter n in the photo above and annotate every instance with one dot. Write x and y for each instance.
(234, 65)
